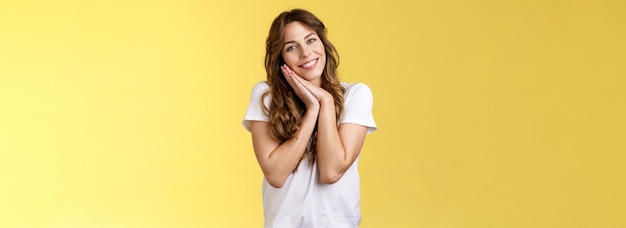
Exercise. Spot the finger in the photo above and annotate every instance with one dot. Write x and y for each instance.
(287, 75)
(304, 89)
(316, 91)
(303, 82)
(292, 78)
(291, 72)
(297, 78)
(299, 85)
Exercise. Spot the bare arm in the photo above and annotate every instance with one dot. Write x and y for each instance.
(337, 147)
(278, 160)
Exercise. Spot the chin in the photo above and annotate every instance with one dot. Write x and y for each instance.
(310, 77)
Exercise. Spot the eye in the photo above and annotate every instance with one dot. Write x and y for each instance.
(291, 48)
(311, 40)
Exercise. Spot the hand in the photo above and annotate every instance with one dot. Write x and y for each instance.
(296, 82)
(320, 94)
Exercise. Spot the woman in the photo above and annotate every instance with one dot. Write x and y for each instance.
(307, 128)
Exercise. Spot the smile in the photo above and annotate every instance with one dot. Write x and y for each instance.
(310, 64)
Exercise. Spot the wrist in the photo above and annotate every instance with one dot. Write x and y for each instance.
(327, 99)
(313, 109)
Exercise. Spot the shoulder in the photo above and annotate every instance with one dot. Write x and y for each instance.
(358, 104)
(358, 89)
(260, 87)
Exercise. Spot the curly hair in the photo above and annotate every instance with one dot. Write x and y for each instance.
(285, 108)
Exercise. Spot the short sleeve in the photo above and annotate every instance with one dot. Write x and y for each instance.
(358, 102)
(255, 111)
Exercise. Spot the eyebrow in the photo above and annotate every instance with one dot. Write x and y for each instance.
(307, 36)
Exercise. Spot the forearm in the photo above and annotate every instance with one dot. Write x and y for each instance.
(332, 157)
(286, 157)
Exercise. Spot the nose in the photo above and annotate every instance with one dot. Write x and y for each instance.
(305, 52)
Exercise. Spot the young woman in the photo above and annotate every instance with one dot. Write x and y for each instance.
(307, 128)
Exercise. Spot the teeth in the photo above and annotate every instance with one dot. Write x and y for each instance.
(309, 64)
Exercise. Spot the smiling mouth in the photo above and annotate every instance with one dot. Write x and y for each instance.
(310, 64)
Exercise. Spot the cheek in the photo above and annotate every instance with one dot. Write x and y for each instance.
(289, 59)
(320, 48)
(320, 52)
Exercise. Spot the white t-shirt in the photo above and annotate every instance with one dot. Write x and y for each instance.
(304, 201)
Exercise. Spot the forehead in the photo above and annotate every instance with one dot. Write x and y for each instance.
(296, 31)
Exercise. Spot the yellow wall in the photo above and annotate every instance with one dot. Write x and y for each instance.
(491, 113)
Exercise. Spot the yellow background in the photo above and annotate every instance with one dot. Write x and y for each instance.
(490, 113)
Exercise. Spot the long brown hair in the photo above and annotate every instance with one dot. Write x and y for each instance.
(286, 109)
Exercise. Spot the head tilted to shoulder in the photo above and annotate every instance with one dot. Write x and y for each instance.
(286, 109)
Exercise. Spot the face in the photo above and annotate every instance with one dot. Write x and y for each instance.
(303, 52)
